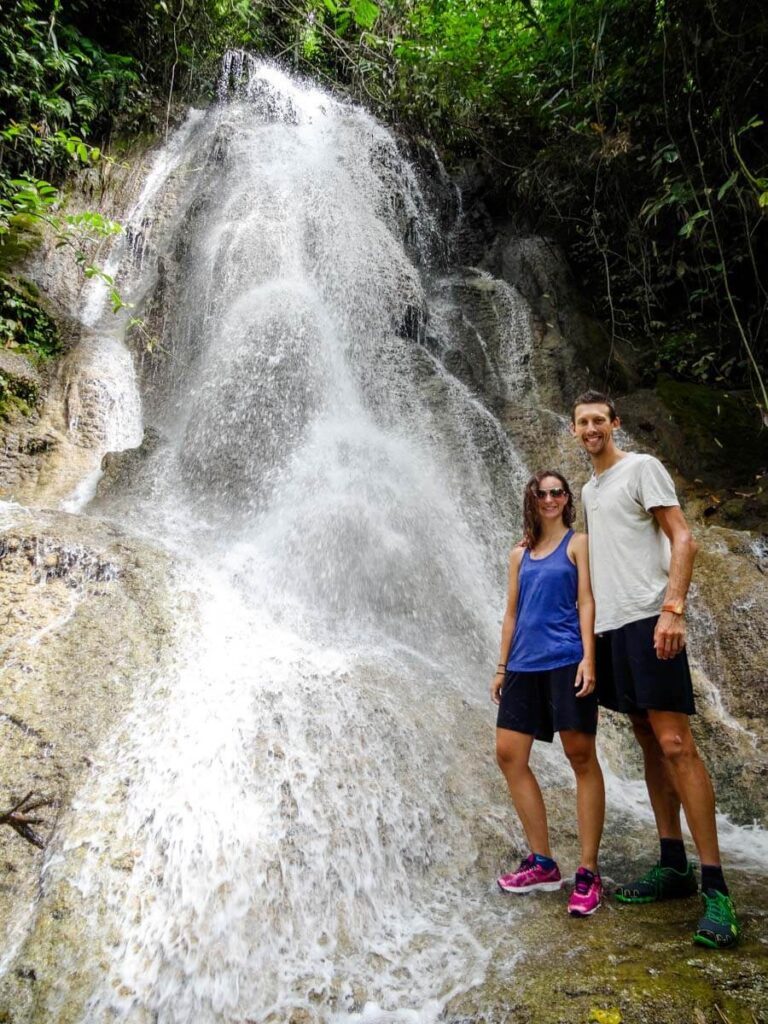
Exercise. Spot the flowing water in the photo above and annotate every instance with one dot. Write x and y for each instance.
(300, 822)
(298, 805)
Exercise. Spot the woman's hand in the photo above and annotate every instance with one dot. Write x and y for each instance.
(585, 677)
(496, 685)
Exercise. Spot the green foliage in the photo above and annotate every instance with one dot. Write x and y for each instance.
(633, 131)
(26, 205)
(59, 85)
(59, 88)
(24, 326)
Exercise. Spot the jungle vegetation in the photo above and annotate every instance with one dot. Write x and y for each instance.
(631, 131)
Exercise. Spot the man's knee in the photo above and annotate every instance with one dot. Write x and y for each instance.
(643, 731)
(677, 746)
(672, 731)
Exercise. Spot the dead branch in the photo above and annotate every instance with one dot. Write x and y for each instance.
(21, 817)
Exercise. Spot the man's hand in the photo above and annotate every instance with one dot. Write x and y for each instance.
(496, 684)
(585, 678)
(669, 635)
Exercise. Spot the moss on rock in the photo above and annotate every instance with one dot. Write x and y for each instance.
(637, 960)
(722, 435)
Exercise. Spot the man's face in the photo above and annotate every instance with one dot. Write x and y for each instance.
(593, 427)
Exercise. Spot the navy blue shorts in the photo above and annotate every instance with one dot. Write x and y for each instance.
(630, 678)
(543, 703)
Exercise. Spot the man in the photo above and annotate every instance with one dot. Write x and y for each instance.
(641, 558)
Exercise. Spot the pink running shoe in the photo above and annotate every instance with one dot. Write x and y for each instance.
(530, 877)
(586, 895)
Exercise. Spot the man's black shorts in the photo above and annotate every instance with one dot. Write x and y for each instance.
(543, 703)
(630, 678)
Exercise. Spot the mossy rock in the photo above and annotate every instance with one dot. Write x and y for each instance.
(638, 962)
(722, 434)
(20, 384)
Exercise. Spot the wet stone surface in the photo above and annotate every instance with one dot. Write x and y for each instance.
(85, 614)
(637, 960)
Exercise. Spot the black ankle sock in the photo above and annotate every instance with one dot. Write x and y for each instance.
(712, 878)
(673, 855)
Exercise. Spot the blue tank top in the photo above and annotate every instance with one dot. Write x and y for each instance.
(547, 633)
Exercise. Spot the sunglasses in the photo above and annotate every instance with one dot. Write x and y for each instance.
(552, 492)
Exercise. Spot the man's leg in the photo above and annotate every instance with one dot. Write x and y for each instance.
(672, 877)
(718, 928)
(661, 789)
(692, 785)
(513, 749)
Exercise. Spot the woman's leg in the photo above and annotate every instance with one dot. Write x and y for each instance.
(513, 750)
(579, 748)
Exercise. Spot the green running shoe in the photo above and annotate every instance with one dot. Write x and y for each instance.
(658, 884)
(719, 927)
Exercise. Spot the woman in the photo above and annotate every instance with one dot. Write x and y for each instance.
(545, 683)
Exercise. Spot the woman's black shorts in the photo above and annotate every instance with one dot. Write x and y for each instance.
(632, 679)
(543, 703)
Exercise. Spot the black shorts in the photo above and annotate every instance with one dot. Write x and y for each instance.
(543, 703)
(630, 678)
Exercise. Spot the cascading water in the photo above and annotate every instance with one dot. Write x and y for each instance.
(103, 402)
(298, 823)
(295, 807)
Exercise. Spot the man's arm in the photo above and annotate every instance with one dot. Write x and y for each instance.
(669, 636)
(585, 676)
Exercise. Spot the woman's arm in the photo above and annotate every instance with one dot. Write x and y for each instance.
(585, 677)
(508, 625)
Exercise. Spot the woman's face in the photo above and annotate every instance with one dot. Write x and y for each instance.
(552, 498)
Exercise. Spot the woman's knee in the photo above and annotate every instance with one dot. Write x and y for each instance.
(511, 755)
(580, 750)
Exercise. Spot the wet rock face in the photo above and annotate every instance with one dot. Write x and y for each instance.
(19, 377)
(121, 470)
(85, 615)
(485, 320)
(21, 450)
(26, 439)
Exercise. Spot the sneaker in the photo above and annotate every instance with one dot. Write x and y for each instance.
(658, 884)
(586, 895)
(531, 876)
(718, 928)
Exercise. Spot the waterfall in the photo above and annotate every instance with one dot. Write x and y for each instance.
(291, 822)
(301, 821)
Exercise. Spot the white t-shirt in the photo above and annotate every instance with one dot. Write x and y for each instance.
(628, 550)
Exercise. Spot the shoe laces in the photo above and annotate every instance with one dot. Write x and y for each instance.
(653, 875)
(717, 907)
(584, 880)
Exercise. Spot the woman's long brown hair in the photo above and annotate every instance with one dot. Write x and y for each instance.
(531, 517)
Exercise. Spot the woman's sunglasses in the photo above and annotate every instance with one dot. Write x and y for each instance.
(552, 492)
